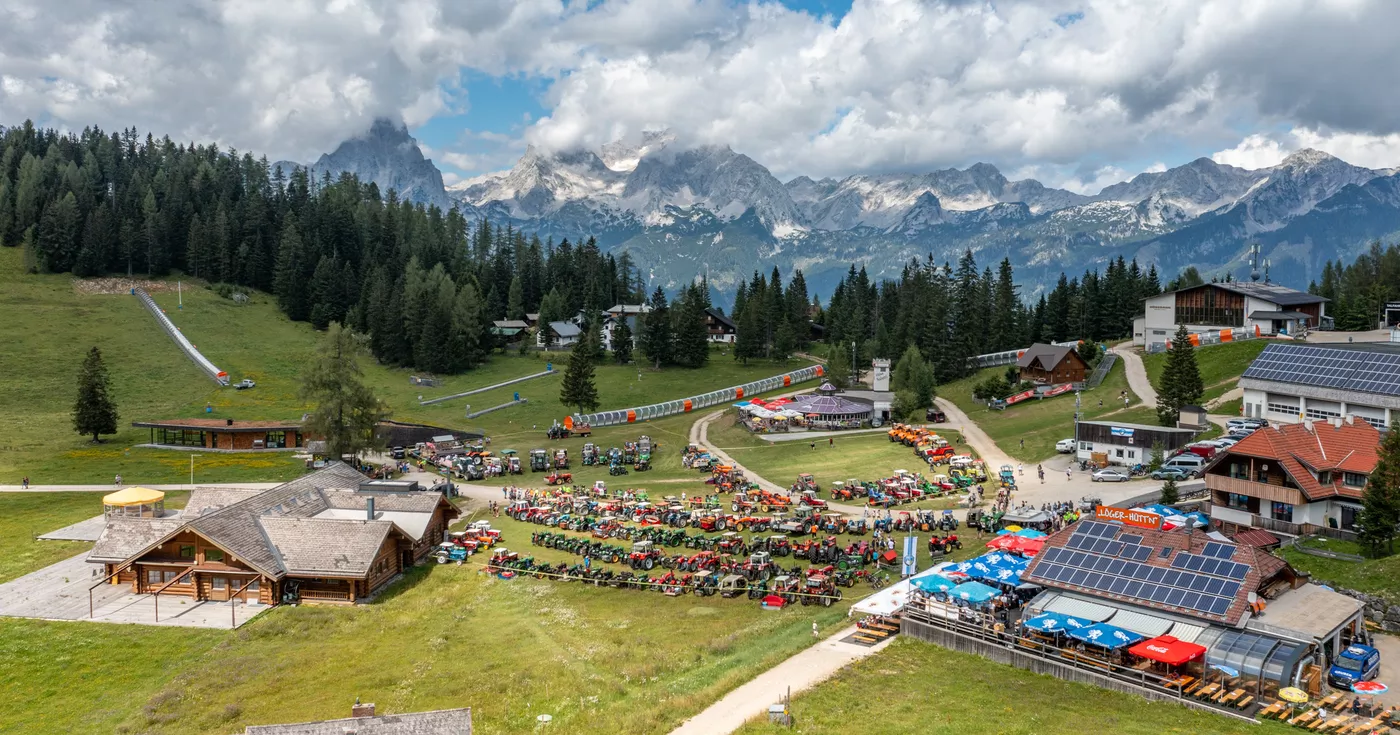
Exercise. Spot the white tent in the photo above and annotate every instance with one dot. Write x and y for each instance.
(892, 599)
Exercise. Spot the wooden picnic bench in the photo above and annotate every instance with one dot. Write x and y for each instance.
(1179, 682)
(1362, 725)
(1232, 696)
(1323, 725)
(1245, 701)
(1275, 708)
(1332, 700)
(1206, 691)
(1305, 718)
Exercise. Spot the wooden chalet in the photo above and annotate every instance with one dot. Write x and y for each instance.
(1052, 365)
(225, 433)
(720, 327)
(314, 539)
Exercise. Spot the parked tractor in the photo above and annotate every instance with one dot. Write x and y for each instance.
(733, 585)
(705, 584)
(759, 566)
(940, 545)
(513, 465)
(617, 468)
(805, 482)
(643, 462)
(644, 555)
(448, 551)
(820, 589)
(590, 454)
(561, 459)
(809, 498)
(539, 460)
(559, 478)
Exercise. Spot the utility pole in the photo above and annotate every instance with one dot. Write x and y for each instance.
(192, 456)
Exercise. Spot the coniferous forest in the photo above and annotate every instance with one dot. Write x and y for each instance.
(425, 284)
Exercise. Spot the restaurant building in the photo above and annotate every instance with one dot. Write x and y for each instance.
(1253, 307)
(314, 539)
(1126, 444)
(224, 434)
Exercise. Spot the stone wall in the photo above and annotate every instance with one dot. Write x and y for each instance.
(1379, 610)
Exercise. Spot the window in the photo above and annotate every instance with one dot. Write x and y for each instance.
(213, 554)
(1238, 501)
(253, 587)
(1283, 409)
(169, 575)
(1239, 470)
(1324, 477)
(1317, 413)
(276, 440)
(219, 583)
(186, 551)
(185, 579)
(152, 576)
(1118, 453)
(1283, 512)
(1353, 479)
(1350, 515)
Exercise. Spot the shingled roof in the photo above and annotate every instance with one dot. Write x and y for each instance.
(326, 546)
(437, 722)
(1304, 449)
(123, 538)
(401, 502)
(205, 500)
(1047, 355)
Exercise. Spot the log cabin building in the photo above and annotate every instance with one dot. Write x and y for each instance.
(225, 434)
(314, 539)
(1051, 365)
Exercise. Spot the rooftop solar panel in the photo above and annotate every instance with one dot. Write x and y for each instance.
(1328, 367)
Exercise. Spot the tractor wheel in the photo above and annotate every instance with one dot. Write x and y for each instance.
(734, 507)
(721, 524)
(843, 565)
(826, 599)
(614, 558)
(806, 600)
(782, 551)
(765, 575)
(648, 564)
(739, 526)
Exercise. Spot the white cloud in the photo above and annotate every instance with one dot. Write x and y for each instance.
(1363, 149)
(894, 85)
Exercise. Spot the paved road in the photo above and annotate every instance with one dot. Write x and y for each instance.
(1137, 374)
(800, 672)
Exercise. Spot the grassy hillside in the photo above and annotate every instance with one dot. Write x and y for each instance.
(57, 322)
(1040, 423)
(1220, 365)
(919, 687)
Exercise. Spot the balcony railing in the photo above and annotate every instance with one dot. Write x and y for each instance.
(1261, 490)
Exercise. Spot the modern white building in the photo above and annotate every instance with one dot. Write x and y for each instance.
(1265, 308)
(1127, 444)
(1290, 382)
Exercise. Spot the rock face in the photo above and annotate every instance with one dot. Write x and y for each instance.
(388, 156)
(690, 209)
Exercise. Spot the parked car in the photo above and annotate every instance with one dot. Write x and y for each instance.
(1170, 473)
(935, 416)
(1250, 424)
(1187, 462)
(1225, 442)
(1110, 475)
(1064, 446)
(244, 384)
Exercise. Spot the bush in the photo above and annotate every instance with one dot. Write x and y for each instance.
(992, 388)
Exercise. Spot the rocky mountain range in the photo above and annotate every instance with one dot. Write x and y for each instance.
(685, 210)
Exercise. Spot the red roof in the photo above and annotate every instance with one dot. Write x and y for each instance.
(1168, 650)
(1301, 449)
(1256, 537)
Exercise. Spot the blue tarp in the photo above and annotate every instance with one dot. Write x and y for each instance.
(935, 583)
(974, 592)
(1031, 533)
(1105, 635)
(1161, 510)
(1052, 622)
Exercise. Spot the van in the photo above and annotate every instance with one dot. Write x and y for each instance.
(1187, 462)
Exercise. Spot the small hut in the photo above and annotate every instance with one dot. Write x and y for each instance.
(134, 502)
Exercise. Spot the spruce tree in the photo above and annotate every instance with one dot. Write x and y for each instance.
(656, 342)
(515, 299)
(748, 336)
(345, 410)
(622, 342)
(1181, 379)
(577, 388)
(1170, 493)
(784, 341)
(94, 412)
(1380, 502)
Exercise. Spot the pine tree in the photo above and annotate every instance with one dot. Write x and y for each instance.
(784, 341)
(838, 367)
(287, 280)
(94, 412)
(345, 410)
(515, 299)
(58, 235)
(1181, 379)
(656, 342)
(1380, 502)
(748, 333)
(1170, 493)
(578, 388)
(622, 342)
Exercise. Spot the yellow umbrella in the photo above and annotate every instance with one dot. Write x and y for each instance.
(1013, 528)
(1293, 694)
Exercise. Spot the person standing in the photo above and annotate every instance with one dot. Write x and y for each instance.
(26, 482)
(814, 629)
(1069, 472)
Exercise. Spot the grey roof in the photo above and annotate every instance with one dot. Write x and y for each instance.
(829, 405)
(629, 309)
(205, 500)
(1049, 355)
(722, 319)
(565, 329)
(1278, 315)
(124, 537)
(511, 324)
(1141, 427)
(236, 528)
(1271, 292)
(326, 546)
(437, 722)
(409, 502)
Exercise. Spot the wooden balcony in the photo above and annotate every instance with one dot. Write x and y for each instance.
(1261, 490)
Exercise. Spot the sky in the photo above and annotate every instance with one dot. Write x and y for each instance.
(1075, 93)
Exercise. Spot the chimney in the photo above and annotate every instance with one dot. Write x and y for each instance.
(362, 710)
(1337, 422)
(1307, 424)
(369, 516)
(1351, 419)
(228, 422)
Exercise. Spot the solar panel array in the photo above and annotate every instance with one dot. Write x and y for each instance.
(1093, 558)
(1329, 367)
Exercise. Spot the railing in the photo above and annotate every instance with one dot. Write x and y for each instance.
(1101, 372)
(1207, 339)
(1040, 649)
(705, 400)
(1261, 490)
(200, 361)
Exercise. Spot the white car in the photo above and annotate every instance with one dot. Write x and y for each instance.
(1064, 446)
(1110, 476)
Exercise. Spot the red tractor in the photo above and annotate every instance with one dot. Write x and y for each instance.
(703, 561)
(940, 545)
(710, 523)
(559, 478)
(820, 589)
(805, 482)
(644, 555)
(759, 566)
(732, 543)
(809, 498)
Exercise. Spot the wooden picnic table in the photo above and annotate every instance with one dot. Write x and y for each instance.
(1180, 681)
(1332, 699)
(1273, 709)
(1305, 718)
(1366, 726)
(1232, 696)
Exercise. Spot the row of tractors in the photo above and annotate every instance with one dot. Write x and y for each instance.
(462, 544)
(608, 519)
(636, 455)
(814, 586)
